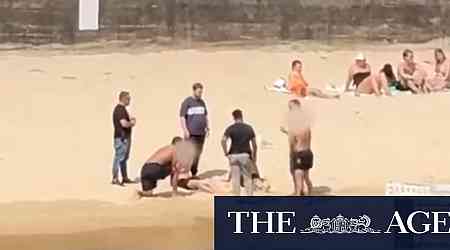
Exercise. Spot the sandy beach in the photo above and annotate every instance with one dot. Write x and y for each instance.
(56, 138)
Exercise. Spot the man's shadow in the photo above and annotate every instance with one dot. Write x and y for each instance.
(212, 173)
(321, 191)
(168, 194)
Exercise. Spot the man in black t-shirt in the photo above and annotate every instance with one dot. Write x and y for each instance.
(194, 122)
(241, 155)
(123, 125)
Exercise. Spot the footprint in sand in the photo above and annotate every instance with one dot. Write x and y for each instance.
(69, 77)
(36, 71)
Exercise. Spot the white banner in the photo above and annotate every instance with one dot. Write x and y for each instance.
(88, 14)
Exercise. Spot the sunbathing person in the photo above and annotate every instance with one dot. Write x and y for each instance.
(411, 76)
(358, 71)
(377, 83)
(298, 86)
(186, 181)
(440, 80)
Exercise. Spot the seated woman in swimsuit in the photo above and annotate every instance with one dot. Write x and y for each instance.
(377, 83)
(298, 86)
(358, 71)
(440, 80)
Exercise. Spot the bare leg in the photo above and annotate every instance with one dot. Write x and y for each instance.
(320, 94)
(412, 86)
(294, 181)
(299, 180)
(308, 183)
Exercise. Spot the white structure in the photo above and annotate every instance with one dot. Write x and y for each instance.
(88, 18)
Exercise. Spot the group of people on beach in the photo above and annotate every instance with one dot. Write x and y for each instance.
(180, 159)
(411, 76)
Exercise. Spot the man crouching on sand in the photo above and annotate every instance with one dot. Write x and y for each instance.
(301, 156)
(165, 162)
(174, 160)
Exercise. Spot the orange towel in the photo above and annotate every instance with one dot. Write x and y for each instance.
(297, 85)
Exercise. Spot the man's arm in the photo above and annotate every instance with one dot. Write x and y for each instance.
(207, 125)
(183, 112)
(254, 149)
(184, 127)
(174, 180)
(128, 124)
(224, 145)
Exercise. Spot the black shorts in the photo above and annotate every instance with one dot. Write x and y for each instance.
(183, 183)
(302, 160)
(151, 173)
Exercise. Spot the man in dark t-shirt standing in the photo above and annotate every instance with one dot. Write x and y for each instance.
(242, 157)
(123, 125)
(194, 122)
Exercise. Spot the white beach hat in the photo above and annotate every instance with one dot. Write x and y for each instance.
(360, 56)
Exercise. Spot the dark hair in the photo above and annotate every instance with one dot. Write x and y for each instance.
(237, 114)
(407, 52)
(440, 51)
(123, 94)
(176, 139)
(295, 102)
(387, 70)
(196, 86)
(295, 62)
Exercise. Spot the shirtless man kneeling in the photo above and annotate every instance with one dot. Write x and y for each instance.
(168, 162)
(301, 156)
(161, 164)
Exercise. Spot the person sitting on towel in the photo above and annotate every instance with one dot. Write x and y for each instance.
(299, 87)
(358, 71)
(377, 83)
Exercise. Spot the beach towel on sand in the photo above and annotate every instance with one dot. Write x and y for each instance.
(279, 85)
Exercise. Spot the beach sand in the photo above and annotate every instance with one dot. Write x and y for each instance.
(56, 138)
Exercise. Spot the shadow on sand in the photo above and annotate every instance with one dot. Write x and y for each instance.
(197, 236)
(212, 173)
(321, 191)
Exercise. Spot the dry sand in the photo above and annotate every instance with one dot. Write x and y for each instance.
(56, 139)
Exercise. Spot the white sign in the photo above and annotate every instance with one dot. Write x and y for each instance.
(88, 14)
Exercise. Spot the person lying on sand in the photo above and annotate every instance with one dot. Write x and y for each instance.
(440, 80)
(186, 181)
(358, 71)
(410, 75)
(163, 163)
(377, 83)
(298, 86)
(301, 155)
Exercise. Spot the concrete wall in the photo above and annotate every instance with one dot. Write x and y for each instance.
(37, 21)
(42, 21)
